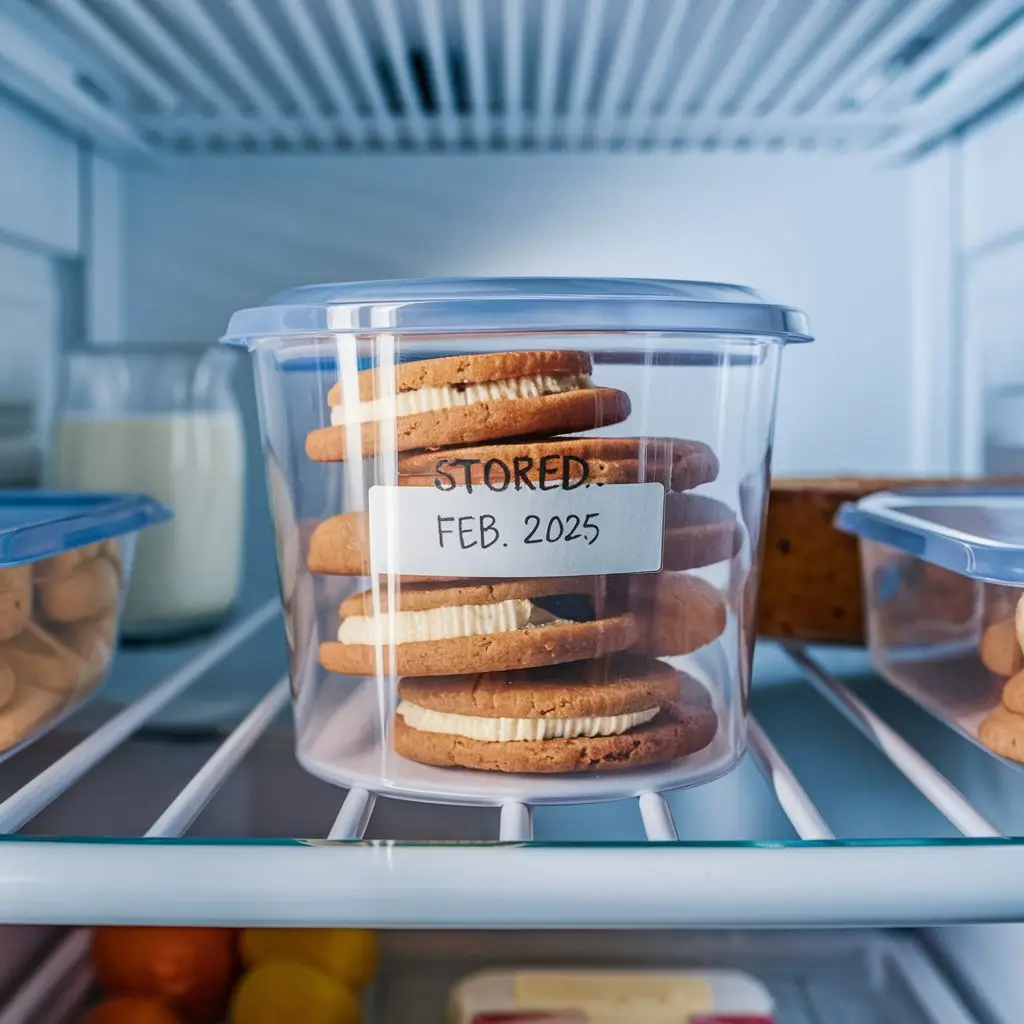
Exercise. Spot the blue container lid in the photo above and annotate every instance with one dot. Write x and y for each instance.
(517, 305)
(39, 524)
(977, 532)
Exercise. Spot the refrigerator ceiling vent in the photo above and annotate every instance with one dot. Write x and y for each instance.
(536, 75)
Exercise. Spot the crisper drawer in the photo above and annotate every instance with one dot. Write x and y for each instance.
(838, 977)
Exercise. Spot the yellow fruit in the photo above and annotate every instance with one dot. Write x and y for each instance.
(348, 955)
(285, 992)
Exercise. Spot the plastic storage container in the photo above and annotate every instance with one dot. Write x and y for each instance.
(65, 562)
(943, 576)
(551, 996)
(556, 488)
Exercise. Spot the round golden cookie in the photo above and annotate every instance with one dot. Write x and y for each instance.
(523, 648)
(15, 600)
(414, 597)
(578, 408)
(676, 613)
(64, 563)
(90, 589)
(563, 463)
(1013, 694)
(1000, 650)
(38, 659)
(677, 731)
(617, 685)
(699, 531)
(26, 712)
(596, 632)
(340, 546)
(479, 368)
(93, 643)
(8, 683)
(551, 414)
(1002, 732)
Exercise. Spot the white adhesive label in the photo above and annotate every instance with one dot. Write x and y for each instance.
(584, 531)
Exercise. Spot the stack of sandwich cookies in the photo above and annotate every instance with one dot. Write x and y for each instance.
(458, 399)
(524, 675)
(622, 712)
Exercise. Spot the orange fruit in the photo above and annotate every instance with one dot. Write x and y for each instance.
(189, 969)
(132, 1010)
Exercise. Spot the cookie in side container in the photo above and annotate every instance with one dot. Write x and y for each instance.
(15, 600)
(1002, 732)
(698, 530)
(440, 629)
(617, 713)
(460, 399)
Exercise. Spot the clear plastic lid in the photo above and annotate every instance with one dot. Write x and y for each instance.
(40, 524)
(511, 304)
(978, 533)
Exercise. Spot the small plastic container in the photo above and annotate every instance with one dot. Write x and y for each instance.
(65, 564)
(554, 996)
(943, 575)
(519, 527)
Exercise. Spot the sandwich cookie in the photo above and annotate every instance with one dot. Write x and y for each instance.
(677, 614)
(618, 713)
(457, 399)
(438, 630)
(698, 530)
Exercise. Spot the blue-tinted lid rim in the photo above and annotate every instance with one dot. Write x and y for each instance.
(73, 520)
(478, 312)
(877, 518)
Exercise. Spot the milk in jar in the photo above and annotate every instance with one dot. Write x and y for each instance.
(163, 423)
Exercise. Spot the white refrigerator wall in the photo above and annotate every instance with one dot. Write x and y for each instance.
(829, 233)
(39, 220)
(992, 262)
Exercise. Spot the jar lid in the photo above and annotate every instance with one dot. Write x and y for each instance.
(978, 533)
(516, 305)
(40, 524)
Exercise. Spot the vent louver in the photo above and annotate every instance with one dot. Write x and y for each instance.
(540, 74)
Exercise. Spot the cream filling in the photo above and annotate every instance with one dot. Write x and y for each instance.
(505, 730)
(445, 623)
(406, 403)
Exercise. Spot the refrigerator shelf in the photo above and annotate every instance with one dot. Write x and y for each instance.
(216, 844)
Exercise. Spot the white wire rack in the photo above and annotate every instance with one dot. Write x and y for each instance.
(536, 74)
(511, 881)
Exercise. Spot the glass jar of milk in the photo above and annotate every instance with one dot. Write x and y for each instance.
(162, 420)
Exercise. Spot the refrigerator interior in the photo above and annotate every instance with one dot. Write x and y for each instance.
(163, 164)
